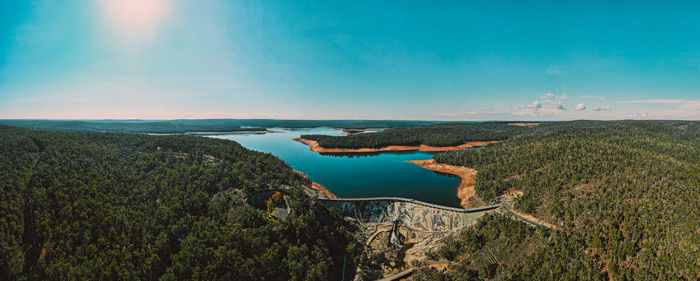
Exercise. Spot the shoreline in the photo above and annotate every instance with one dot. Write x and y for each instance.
(315, 147)
(233, 132)
(292, 129)
(467, 179)
(212, 133)
(317, 186)
(350, 132)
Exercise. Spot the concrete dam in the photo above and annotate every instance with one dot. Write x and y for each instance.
(414, 214)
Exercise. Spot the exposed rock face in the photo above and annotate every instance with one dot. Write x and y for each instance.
(390, 259)
(399, 232)
(417, 228)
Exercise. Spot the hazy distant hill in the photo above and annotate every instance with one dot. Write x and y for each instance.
(182, 126)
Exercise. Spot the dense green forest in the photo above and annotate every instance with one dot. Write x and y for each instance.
(446, 134)
(626, 192)
(113, 206)
(523, 251)
(182, 126)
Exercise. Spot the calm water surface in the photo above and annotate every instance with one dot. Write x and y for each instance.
(386, 174)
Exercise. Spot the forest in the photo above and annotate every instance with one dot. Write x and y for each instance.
(521, 252)
(79, 205)
(115, 206)
(625, 192)
(446, 134)
(182, 126)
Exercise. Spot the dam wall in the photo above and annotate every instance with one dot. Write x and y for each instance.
(414, 214)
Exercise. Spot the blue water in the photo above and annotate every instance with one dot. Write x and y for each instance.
(386, 174)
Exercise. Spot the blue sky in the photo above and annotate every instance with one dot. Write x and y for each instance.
(435, 60)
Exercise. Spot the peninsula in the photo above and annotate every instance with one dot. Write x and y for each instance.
(467, 180)
(315, 147)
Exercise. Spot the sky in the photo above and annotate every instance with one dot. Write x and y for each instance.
(414, 60)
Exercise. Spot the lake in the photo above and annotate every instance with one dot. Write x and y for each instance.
(386, 174)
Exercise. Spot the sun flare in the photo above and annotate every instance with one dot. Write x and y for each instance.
(135, 20)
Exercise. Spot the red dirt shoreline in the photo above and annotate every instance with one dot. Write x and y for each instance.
(317, 186)
(315, 147)
(465, 192)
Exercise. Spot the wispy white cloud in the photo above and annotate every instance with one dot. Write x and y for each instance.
(550, 106)
(550, 97)
(536, 108)
(555, 70)
(659, 101)
(459, 114)
(535, 105)
(605, 107)
(691, 105)
(555, 100)
(592, 97)
(675, 107)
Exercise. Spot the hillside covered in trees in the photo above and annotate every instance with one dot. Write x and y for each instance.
(523, 251)
(624, 192)
(111, 206)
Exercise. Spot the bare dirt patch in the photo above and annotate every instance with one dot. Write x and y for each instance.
(530, 125)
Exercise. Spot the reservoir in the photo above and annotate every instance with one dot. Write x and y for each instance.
(386, 174)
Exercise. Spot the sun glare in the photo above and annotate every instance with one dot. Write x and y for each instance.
(135, 20)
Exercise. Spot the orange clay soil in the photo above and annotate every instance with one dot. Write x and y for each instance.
(318, 187)
(533, 218)
(524, 124)
(513, 193)
(316, 148)
(466, 191)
